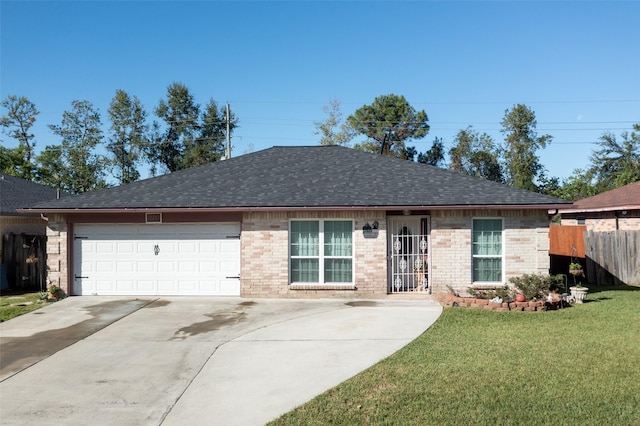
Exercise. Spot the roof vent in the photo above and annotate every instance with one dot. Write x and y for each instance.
(153, 217)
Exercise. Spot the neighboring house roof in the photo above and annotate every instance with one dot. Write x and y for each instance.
(624, 198)
(16, 193)
(306, 177)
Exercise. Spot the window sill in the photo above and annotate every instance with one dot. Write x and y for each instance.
(322, 287)
(487, 284)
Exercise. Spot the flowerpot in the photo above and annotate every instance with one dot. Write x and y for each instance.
(578, 293)
(520, 297)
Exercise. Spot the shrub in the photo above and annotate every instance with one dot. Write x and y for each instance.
(490, 293)
(536, 285)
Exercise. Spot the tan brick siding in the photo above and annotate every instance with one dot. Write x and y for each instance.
(265, 251)
(265, 256)
(525, 250)
(57, 259)
(606, 222)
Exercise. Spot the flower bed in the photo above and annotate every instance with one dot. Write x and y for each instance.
(472, 302)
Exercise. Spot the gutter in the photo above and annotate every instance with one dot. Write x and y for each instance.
(600, 209)
(289, 208)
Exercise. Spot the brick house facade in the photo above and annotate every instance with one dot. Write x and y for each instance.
(353, 236)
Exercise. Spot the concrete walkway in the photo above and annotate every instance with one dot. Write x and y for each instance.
(191, 360)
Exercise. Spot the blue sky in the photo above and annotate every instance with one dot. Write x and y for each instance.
(576, 64)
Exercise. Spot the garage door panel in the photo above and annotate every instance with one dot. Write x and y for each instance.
(188, 267)
(167, 266)
(145, 267)
(126, 267)
(105, 287)
(191, 259)
(229, 287)
(105, 267)
(126, 247)
(146, 287)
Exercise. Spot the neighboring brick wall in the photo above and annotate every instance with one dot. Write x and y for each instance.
(526, 245)
(57, 259)
(606, 221)
(20, 225)
(265, 251)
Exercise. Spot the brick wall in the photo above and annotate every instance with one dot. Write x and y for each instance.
(265, 251)
(57, 260)
(606, 221)
(525, 250)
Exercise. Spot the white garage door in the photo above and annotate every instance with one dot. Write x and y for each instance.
(158, 259)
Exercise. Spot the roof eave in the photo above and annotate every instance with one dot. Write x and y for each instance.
(601, 209)
(286, 208)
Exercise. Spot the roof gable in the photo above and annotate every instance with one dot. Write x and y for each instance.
(306, 177)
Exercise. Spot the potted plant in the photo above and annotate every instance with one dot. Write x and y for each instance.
(575, 269)
(419, 269)
(53, 291)
(578, 292)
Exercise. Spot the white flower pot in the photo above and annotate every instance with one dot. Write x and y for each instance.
(578, 293)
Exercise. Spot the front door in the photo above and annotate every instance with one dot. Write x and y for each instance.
(408, 254)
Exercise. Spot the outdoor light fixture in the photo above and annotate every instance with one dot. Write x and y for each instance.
(370, 231)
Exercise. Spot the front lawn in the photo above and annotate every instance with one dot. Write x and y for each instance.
(579, 365)
(15, 303)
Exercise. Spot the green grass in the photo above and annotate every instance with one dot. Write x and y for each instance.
(13, 304)
(579, 365)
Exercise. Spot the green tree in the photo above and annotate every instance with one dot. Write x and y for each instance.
(616, 163)
(434, 155)
(388, 123)
(577, 186)
(475, 154)
(82, 168)
(180, 114)
(333, 130)
(128, 137)
(209, 145)
(522, 164)
(20, 116)
(50, 168)
(12, 162)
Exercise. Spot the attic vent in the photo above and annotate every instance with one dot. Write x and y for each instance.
(154, 217)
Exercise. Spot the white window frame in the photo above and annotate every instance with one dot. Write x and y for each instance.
(321, 256)
(502, 253)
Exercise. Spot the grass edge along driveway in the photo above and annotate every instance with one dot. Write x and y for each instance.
(574, 366)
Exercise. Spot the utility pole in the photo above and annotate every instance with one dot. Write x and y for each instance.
(228, 156)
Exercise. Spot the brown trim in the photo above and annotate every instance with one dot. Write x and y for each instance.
(600, 209)
(167, 217)
(298, 208)
(71, 282)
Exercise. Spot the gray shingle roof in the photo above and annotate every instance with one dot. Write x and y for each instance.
(16, 193)
(319, 176)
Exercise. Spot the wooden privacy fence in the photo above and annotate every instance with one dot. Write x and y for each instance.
(567, 240)
(25, 261)
(613, 257)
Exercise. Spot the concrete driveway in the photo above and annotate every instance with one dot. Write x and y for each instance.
(191, 360)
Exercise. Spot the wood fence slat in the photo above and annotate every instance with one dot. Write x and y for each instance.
(613, 257)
